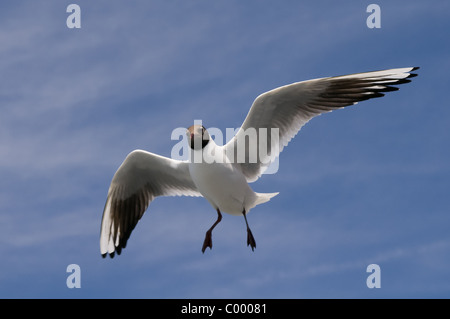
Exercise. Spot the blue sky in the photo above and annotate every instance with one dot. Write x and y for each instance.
(367, 184)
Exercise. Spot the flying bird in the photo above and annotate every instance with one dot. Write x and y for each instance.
(221, 173)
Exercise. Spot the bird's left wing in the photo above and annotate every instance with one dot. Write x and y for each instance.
(141, 177)
(280, 113)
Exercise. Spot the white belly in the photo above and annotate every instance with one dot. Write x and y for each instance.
(223, 186)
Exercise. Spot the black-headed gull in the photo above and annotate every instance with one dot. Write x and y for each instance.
(221, 173)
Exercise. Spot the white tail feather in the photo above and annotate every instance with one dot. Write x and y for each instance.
(264, 197)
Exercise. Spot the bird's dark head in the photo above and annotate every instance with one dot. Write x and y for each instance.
(198, 136)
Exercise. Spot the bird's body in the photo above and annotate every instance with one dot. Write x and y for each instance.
(222, 183)
(221, 173)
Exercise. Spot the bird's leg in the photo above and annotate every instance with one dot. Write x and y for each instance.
(250, 239)
(208, 239)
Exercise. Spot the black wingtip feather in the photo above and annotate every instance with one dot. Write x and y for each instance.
(376, 94)
(389, 89)
(402, 81)
(111, 255)
(412, 75)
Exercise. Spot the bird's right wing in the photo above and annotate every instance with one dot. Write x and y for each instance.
(141, 177)
(283, 111)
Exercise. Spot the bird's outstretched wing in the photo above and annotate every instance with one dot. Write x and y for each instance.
(284, 110)
(141, 177)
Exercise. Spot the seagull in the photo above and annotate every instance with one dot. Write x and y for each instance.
(221, 174)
